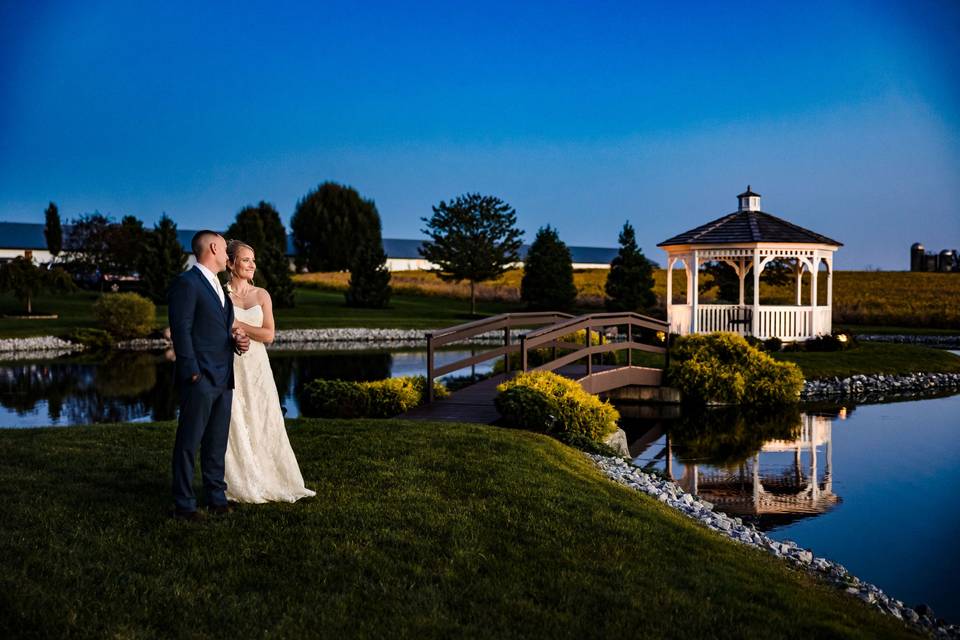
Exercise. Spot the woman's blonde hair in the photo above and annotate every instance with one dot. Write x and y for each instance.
(233, 247)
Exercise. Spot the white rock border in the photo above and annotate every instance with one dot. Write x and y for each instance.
(667, 492)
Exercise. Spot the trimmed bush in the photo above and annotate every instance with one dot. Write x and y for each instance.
(545, 401)
(721, 368)
(125, 315)
(380, 399)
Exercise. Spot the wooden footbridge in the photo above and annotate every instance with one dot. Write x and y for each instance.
(552, 342)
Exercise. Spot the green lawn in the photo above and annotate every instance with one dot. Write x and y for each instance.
(873, 357)
(418, 530)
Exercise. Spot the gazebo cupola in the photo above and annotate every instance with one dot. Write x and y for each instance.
(748, 240)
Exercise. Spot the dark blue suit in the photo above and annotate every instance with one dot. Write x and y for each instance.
(201, 329)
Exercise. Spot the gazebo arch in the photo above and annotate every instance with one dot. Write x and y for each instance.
(744, 239)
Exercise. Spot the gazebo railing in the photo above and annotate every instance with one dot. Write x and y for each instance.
(787, 322)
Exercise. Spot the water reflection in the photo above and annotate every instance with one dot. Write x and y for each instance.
(769, 469)
(136, 386)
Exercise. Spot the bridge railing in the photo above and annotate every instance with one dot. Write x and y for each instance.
(504, 322)
(608, 341)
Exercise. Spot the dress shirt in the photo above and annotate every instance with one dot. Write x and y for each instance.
(214, 282)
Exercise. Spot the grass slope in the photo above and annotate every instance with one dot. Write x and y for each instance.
(873, 357)
(418, 530)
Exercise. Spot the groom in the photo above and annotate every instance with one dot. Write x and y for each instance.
(201, 322)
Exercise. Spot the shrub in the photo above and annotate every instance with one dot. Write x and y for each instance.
(721, 368)
(95, 339)
(545, 401)
(773, 344)
(125, 315)
(837, 342)
(380, 399)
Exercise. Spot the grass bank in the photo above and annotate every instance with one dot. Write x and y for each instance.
(873, 357)
(418, 530)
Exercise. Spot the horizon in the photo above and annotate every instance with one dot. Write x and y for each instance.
(845, 117)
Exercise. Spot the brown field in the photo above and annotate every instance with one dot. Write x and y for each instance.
(893, 298)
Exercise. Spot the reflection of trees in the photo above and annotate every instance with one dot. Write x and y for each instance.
(87, 388)
(726, 437)
(126, 375)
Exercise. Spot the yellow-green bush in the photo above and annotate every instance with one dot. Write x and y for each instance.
(545, 401)
(722, 368)
(125, 315)
(379, 399)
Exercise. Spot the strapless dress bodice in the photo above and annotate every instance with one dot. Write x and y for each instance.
(252, 315)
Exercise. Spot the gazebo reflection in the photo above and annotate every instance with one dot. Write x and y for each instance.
(770, 472)
(783, 482)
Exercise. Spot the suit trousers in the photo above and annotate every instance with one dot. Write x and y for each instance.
(204, 422)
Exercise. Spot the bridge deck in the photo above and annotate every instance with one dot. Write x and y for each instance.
(475, 403)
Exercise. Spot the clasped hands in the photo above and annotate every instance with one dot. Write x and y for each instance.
(241, 340)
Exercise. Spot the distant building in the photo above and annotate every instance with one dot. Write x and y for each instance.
(22, 238)
(947, 261)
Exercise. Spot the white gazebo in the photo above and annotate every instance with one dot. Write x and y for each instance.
(746, 239)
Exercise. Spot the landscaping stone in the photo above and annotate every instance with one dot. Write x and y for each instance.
(877, 388)
(618, 442)
(38, 344)
(921, 617)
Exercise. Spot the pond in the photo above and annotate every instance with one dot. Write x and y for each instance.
(873, 487)
(138, 386)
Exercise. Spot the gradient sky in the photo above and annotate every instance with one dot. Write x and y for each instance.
(845, 116)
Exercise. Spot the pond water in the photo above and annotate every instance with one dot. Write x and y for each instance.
(138, 386)
(873, 487)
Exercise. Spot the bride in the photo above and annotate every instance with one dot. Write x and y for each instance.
(260, 464)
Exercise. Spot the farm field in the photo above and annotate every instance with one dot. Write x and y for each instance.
(875, 298)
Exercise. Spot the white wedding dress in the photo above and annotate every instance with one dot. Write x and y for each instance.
(260, 465)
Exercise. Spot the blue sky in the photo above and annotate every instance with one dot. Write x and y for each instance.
(844, 115)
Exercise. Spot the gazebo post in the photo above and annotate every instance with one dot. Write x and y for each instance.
(694, 288)
(742, 273)
(798, 270)
(814, 325)
(755, 316)
(829, 261)
(668, 303)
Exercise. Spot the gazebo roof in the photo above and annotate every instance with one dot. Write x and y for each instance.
(748, 227)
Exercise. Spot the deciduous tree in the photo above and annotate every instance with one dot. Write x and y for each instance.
(26, 280)
(472, 238)
(329, 225)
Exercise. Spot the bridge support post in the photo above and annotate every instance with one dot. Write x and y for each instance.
(629, 342)
(429, 368)
(587, 342)
(523, 353)
(506, 343)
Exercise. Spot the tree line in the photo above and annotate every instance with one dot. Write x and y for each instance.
(472, 238)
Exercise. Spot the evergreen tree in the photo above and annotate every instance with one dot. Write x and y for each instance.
(629, 284)
(329, 225)
(547, 283)
(52, 231)
(369, 278)
(261, 228)
(163, 259)
(125, 246)
(472, 238)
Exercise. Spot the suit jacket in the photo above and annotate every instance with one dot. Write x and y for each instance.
(201, 329)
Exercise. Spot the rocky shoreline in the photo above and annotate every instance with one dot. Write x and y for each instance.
(920, 617)
(879, 387)
(939, 341)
